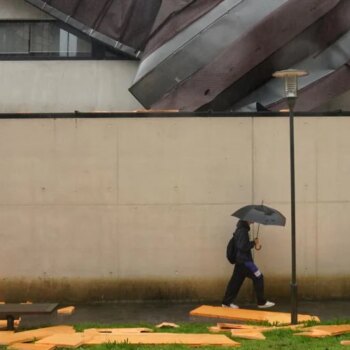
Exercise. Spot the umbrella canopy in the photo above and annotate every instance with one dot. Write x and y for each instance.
(260, 214)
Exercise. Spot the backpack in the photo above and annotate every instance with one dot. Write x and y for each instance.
(231, 250)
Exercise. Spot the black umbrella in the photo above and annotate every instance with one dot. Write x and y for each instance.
(260, 214)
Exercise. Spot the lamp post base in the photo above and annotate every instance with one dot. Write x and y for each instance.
(294, 299)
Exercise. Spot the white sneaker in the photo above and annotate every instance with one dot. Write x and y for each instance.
(266, 305)
(232, 306)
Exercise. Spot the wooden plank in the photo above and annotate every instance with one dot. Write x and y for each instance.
(28, 336)
(96, 331)
(247, 334)
(167, 324)
(248, 315)
(314, 334)
(229, 326)
(345, 342)
(234, 326)
(30, 346)
(333, 329)
(66, 310)
(164, 338)
(265, 329)
(72, 340)
(216, 329)
(325, 331)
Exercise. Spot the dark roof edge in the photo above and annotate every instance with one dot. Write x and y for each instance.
(68, 20)
(117, 115)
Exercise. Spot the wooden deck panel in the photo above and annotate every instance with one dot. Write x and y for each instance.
(28, 336)
(73, 340)
(165, 338)
(30, 346)
(248, 315)
(96, 331)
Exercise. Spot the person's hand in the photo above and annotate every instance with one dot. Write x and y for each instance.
(258, 246)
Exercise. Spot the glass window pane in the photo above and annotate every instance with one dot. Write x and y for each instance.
(14, 38)
(64, 43)
(84, 46)
(49, 38)
(78, 46)
(72, 45)
(44, 38)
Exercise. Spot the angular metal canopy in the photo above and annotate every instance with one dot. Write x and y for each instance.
(321, 68)
(219, 54)
(312, 41)
(223, 46)
(123, 25)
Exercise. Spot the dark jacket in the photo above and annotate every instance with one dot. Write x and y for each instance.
(242, 243)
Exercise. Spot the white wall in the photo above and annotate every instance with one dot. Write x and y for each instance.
(62, 86)
(147, 199)
(66, 86)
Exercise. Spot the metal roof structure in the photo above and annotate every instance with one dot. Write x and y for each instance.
(220, 54)
(121, 25)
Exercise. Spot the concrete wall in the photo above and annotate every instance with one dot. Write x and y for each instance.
(66, 86)
(140, 208)
(62, 86)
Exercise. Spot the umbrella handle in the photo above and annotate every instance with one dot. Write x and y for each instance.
(257, 234)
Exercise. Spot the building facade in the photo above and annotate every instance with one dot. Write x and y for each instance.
(126, 206)
(47, 77)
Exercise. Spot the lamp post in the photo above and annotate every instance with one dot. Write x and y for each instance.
(290, 77)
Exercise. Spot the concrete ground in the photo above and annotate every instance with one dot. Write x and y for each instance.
(156, 312)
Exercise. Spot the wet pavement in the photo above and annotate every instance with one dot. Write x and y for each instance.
(156, 312)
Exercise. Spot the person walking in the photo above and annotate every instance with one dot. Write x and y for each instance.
(245, 267)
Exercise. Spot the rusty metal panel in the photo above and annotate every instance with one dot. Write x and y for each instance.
(319, 66)
(216, 54)
(197, 46)
(130, 21)
(189, 76)
(90, 11)
(175, 16)
(121, 24)
(66, 6)
(313, 40)
(170, 9)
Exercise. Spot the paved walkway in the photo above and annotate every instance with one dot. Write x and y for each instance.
(156, 312)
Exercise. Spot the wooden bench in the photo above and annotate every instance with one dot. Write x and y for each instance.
(10, 312)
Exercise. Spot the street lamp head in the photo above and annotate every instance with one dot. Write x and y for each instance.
(290, 77)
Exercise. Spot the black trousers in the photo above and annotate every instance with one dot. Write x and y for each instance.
(240, 273)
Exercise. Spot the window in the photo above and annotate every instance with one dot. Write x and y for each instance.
(47, 40)
(14, 38)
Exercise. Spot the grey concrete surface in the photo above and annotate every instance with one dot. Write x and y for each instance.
(156, 312)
